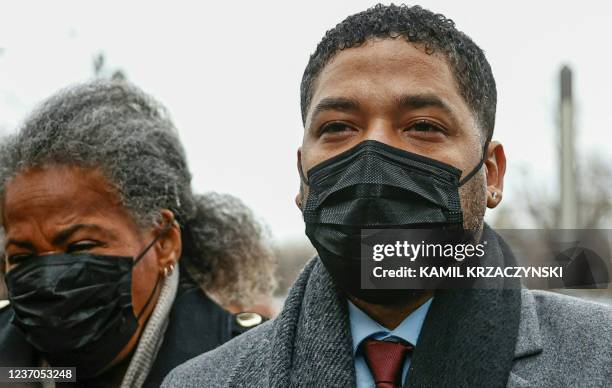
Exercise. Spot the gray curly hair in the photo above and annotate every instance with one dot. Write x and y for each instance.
(117, 128)
(239, 264)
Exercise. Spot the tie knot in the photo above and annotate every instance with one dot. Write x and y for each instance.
(386, 361)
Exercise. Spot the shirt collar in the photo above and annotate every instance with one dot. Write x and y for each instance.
(362, 326)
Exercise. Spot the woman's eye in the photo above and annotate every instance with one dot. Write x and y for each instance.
(335, 127)
(82, 246)
(18, 258)
(425, 126)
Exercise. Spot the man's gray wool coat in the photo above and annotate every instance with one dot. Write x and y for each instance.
(558, 341)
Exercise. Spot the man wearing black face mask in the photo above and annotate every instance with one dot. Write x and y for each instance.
(398, 109)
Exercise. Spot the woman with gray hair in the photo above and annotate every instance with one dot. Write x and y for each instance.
(104, 237)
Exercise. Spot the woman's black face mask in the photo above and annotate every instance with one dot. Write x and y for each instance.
(76, 309)
(374, 185)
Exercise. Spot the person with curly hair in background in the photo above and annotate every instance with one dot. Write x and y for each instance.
(113, 265)
(232, 244)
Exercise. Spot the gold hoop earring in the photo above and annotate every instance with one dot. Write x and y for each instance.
(168, 270)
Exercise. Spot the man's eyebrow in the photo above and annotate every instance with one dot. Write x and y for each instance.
(416, 101)
(65, 234)
(342, 104)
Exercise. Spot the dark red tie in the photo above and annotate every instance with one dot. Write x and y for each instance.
(386, 361)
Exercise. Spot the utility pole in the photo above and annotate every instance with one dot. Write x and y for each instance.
(569, 208)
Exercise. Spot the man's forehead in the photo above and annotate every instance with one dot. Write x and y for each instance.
(384, 71)
(379, 52)
(393, 66)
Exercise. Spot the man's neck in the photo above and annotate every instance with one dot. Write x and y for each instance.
(390, 316)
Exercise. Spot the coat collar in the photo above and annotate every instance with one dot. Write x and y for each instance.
(529, 340)
(311, 338)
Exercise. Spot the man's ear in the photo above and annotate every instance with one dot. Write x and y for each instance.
(169, 245)
(495, 164)
(300, 195)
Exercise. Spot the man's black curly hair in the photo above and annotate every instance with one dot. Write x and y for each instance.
(417, 25)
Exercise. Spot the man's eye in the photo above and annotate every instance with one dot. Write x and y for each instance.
(335, 127)
(82, 246)
(425, 126)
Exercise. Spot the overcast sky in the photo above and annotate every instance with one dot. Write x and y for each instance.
(229, 72)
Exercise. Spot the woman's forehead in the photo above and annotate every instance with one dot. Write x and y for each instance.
(59, 195)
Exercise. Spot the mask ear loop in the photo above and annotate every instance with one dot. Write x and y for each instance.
(149, 299)
(156, 239)
(302, 176)
(480, 163)
(140, 256)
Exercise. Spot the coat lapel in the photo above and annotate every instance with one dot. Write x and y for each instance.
(529, 342)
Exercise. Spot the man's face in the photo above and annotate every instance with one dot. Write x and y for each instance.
(391, 91)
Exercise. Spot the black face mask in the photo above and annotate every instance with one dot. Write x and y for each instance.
(76, 309)
(371, 186)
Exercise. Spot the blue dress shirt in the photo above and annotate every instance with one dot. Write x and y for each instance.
(363, 327)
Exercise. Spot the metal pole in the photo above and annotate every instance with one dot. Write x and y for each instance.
(569, 211)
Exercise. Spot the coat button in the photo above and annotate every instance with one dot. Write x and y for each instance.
(248, 319)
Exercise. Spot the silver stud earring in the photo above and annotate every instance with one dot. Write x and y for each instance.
(494, 195)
